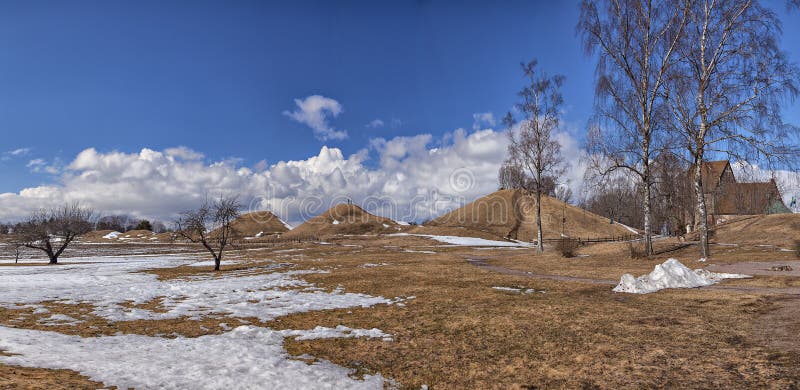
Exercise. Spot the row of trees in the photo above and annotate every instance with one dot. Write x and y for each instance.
(52, 231)
(677, 82)
(120, 223)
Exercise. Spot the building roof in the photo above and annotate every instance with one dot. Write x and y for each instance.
(712, 173)
(750, 198)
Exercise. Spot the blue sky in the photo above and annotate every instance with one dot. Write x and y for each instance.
(217, 77)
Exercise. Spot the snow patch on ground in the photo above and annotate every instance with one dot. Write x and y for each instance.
(335, 222)
(464, 241)
(246, 358)
(519, 290)
(630, 229)
(372, 265)
(59, 319)
(112, 235)
(671, 274)
(286, 224)
(341, 331)
(107, 283)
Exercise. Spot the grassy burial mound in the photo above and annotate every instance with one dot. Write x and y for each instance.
(776, 229)
(259, 224)
(344, 219)
(511, 214)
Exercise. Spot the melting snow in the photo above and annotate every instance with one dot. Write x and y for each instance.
(246, 358)
(520, 290)
(112, 235)
(671, 274)
(464, 241)
(335, 222)
(286, 224)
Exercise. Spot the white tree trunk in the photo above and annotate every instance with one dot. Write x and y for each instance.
(702, 211)
(539, 235)
(648, 229)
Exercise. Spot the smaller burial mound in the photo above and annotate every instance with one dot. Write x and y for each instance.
(259, 224)
(345, 219)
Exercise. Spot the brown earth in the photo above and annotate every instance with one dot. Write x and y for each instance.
(345, 219)
(511, 213)
(263, 222)
(777, 229)
(459, 332)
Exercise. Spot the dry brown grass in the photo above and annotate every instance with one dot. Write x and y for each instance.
(458, 332)
(567, 247)
(510, 213)
(637, 250)
(777, 229)
(350, 220)
(251, 224)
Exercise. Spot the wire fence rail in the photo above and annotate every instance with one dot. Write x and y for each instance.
(591, 240)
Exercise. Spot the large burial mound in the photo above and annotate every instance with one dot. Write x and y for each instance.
(511, 214)
(259, 224)
(776, 229)
(345, 219)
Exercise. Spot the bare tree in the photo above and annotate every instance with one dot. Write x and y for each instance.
(533, 145)
(635, 41)
(211, 226)
(17, 253)
(51, 231)
(511, 176)
(725, 94)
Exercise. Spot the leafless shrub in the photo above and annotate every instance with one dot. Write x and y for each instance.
(51, 231)
(210, 225)
(637, 250)
(567, 247)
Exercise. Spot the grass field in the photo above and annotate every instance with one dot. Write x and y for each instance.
(452, 328)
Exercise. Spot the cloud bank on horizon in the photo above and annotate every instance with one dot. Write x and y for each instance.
(412, 178)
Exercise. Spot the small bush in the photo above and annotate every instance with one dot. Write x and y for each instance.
(567, 247)
(637, 250)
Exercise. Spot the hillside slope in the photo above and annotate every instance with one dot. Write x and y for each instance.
(258, 224)
(345, 219)
(776, 229)
(511, 213)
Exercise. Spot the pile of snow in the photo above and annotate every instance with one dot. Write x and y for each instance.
(253, 358)
(465, 241)
(112, 235)
(671, 274)
(335, 222)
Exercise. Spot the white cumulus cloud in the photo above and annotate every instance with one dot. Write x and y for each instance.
(405, 178)
(313, 111)
(481, 119)
(374, 124)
